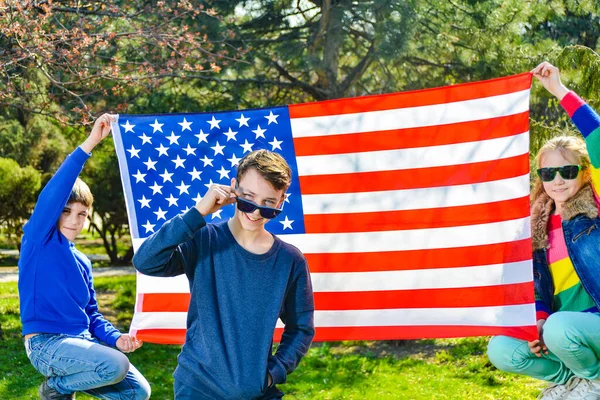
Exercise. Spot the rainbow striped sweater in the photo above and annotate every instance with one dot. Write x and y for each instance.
(569, 293)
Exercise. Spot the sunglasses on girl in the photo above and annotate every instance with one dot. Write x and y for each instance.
(248, 207)
(567, 172)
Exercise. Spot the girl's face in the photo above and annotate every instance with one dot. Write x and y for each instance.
(560, 189)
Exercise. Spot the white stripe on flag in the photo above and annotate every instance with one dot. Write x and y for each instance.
(422, 157)
(460, 277)
(508, 316)
(417, 199)
(415, 239)
(413, 117)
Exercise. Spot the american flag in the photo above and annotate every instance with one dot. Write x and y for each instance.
(412, 208)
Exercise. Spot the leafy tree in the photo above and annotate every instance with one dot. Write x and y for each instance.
(98, 55)
(18, 192)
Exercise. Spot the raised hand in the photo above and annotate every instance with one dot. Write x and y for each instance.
(216, 197)
(549, 77)
(100, 131)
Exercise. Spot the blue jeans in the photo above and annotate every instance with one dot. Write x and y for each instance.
(573, 341)
(79, 363)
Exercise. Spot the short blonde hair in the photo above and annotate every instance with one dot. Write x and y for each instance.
(81, 193)
(270, 165)
(571, 147)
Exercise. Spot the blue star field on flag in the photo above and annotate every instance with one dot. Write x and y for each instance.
(168, 162)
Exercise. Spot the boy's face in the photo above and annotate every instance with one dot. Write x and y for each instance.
(253, 187)
(72, 219)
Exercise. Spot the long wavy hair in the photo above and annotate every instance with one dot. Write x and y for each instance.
(571, 148)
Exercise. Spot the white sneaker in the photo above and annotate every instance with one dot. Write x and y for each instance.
(583, 389)
(554, 392)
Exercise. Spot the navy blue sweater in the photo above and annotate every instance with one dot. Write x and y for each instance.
(56, 289)
(236, 299)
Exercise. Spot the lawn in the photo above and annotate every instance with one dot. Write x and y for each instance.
(423, 369)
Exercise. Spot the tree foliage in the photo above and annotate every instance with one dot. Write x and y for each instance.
(18, 192)
(94, 56)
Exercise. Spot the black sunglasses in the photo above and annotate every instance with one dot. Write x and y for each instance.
(248, 207)
(568, 172)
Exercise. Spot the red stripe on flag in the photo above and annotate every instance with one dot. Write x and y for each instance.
(416, 98)
(416, 178)
(418, 219)
(488, 254)
(437, 135)
(328, 334)
(483, 296)
(166, 302)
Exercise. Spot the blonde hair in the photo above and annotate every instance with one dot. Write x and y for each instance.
(81, 193)
(571, 147)
(271, 166)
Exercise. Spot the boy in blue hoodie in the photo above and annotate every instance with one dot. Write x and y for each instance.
(242, 279)
(62, 327)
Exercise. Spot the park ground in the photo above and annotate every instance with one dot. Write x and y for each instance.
(421, 369)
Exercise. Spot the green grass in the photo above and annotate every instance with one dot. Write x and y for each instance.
(423, 369)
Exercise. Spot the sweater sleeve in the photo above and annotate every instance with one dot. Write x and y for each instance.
(171, 251)
(588, 122)
(298, 317)
(55, 195)
(99, 326)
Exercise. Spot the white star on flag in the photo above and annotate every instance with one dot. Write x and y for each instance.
(247, 146)
(145, 202)
(150, 164)
(272, 118)
(179, 162)
(195, 174)
(139, 177)
(160, 214)
(134, 152)
(197, 198)
(149, 227)
(243, 121)
(173, 139)
(202, 137)
(234, 160)
(287, 223)
(214, 123)
(185, 125)
(166, 176)
(156, 188)
(128, 127)
(183, 188)
(223, 172)
(230, 134)
(218, 149)
(156, 126)
(172, 200)
(276, 144)
(190, 150)
(145, 139)
(162, 150)
(217, 214)
(207, 161)
(259, 132)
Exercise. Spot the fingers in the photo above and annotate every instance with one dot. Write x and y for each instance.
(128, 344)
(223, 194)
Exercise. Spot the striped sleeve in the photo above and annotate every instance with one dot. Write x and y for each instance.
(541, 310)
(588, 123)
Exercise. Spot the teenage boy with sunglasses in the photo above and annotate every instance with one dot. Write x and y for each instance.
(242, 279)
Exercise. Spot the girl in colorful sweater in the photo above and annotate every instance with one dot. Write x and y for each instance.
(566, 259)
